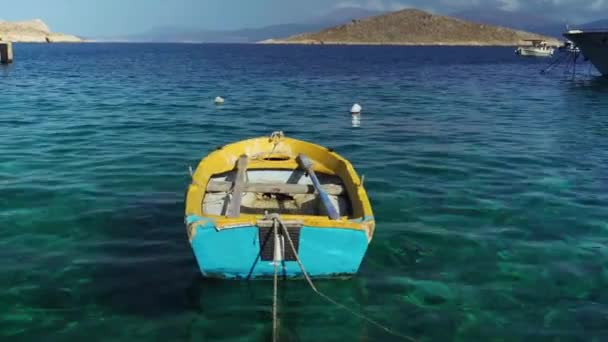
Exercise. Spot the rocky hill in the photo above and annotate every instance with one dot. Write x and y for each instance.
(415, 27)
(32, 31)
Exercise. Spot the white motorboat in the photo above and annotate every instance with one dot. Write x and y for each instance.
(538, 48)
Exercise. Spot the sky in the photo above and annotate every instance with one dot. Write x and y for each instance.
(106, 18)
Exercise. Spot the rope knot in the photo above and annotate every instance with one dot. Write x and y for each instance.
(276, 136)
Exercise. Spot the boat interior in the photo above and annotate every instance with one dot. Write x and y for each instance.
(281, 191)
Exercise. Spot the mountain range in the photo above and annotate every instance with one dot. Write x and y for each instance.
(246, 35)
(514, 20)
(38, 31)
(594, 24)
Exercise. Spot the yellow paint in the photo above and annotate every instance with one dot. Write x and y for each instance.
(280, 153)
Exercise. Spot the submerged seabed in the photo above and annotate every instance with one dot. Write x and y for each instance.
(488, 183)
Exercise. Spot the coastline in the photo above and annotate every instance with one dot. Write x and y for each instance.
(41, 39)
(33, 31)
(554, 42)
(330, 43)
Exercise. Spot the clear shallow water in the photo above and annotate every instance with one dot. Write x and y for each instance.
(488, 183)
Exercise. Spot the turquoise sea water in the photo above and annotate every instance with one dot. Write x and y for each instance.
(488, 183)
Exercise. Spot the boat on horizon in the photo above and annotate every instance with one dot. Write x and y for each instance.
(593, 43)
(537, 48)
(268, 203)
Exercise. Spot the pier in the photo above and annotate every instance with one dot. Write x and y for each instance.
(6, 52)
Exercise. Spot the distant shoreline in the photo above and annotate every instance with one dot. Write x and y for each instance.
(455, 44)
(411, 44)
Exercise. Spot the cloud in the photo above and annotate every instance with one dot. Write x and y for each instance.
(509, 5)
(598, 5)
(375, 5)
(396, 6)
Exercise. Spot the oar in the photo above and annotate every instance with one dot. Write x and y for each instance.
(239, 183)
(306, 164)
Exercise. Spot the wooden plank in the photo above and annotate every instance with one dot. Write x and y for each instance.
(237, 191)
(277, 188)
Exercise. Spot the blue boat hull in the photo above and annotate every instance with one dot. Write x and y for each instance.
(235, 253)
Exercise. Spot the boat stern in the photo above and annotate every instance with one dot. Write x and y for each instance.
(246, 250)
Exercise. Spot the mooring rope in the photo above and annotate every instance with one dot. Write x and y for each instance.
(553, 64)
(276, 219)
(274, 296)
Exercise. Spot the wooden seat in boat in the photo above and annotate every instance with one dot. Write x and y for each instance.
(273, 195)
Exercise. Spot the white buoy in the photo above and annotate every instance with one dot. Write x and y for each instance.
(356, 109)
(219, 100)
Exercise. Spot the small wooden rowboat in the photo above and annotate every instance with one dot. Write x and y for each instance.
(262, 202)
